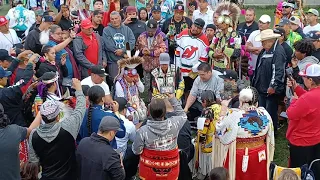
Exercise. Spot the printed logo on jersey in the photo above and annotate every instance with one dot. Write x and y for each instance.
(119, 40)
(189, 52)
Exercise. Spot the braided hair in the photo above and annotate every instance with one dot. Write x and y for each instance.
(45, 92)
(249, 96)
(4, 120)
(46, 77)
(96, 94)
(304, 46)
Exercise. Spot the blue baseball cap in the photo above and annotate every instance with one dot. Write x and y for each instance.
(4, 73)
(314, 35)
(156, 8)
(47, 18)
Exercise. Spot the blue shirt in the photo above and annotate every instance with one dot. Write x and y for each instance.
(97, 114)
(58, 59)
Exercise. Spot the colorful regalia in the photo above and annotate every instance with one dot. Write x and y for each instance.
(203, 146)
(244, 141)
(126, 87)
(163, 83)
(227, 41)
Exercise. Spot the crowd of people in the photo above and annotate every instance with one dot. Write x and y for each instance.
(161, 90)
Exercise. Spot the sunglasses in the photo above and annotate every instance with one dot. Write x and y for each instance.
(286, 7)
(131, 72)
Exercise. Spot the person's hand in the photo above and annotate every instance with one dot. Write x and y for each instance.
(127, 20)
(171, 95)
(118, 52)
(115, 106)
(136, 78)
(291, 83)
(24, 54)
(192, 8)
(104, 64)
(186, 110)
(294, 97)
(63, 60)
(225, 103)
(34, 85)
(34, 58)
(146, 51)
(270, 91)
(12, 52)
(76, 84)
(294, 62)
(72, 34)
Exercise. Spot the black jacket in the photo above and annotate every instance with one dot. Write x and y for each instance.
(65, 24)
(137, 27)
(270, 70)
(32, 41)
(11, 98)
(300, 32)
(245, 30)
(48, 67)
(97, 160)
(288, 50)
(317, 54)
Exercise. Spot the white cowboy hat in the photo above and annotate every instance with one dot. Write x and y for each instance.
(266, 34)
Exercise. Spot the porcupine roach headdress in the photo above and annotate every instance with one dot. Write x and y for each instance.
(229, 9)
(130, 62)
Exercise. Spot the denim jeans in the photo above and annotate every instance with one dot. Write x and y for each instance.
(270, 103)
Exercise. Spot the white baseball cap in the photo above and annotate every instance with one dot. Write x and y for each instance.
(312, 70)
(265, 18)
(295, 20)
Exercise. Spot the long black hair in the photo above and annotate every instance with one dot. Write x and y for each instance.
(96, 94)
(4, 120)
(141, 9)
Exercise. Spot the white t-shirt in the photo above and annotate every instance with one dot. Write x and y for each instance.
(88, 81)
(254, 57)
(311, 28)
(207, 17)
(130, 135)
(8, 40)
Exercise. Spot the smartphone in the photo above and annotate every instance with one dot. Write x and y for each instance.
(36, 60)
(133, 19)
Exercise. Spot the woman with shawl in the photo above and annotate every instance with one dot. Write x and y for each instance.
(56, 40)
(244, 140)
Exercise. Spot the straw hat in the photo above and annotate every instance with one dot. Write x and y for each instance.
(266, 34)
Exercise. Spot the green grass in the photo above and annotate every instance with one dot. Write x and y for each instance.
(281, 151)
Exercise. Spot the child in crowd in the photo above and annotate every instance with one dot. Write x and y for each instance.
(288, 174)
(218, 173)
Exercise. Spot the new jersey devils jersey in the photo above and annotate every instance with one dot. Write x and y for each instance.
(190, 51)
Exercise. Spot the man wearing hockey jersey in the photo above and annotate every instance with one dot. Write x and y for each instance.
(191, 51)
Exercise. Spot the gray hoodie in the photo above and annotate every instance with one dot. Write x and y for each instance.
(160, 135)
(307, 60)
(116, 38)
(50, 131)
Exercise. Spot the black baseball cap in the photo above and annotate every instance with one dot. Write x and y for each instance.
(156, 8)
(179, 7)
(152, 24)
(109, 123)
(4, 73)
(314, 35)
(279, 30)
(47, 18)
(229, 74)
(99, 70)
(4, 55)
(283, 22)
(123, 103)
(199, 23)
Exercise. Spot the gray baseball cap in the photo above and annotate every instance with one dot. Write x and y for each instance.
(109, 123)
